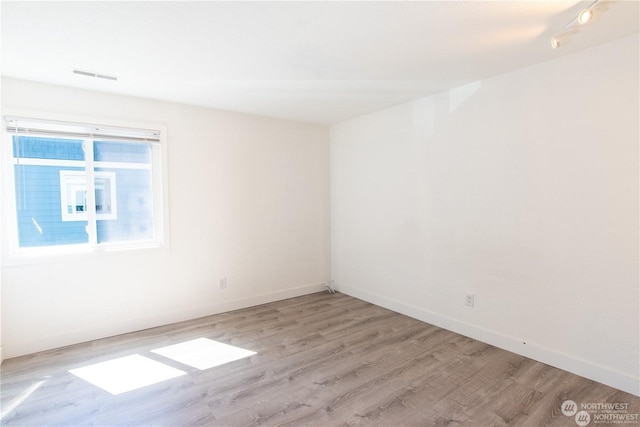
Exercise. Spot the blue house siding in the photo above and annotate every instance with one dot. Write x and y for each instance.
(113, 151)
(33, 147)
(39, 212)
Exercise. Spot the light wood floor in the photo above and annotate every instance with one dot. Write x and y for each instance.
(322, 360)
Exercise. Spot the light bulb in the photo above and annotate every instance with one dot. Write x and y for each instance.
(585, 16)
(554, 42)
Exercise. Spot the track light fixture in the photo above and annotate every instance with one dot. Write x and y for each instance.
(561, 39)
(583, 17)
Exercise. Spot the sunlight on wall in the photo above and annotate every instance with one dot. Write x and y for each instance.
(428, 111)
(458, 95)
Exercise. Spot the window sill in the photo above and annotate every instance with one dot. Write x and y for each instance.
(63, 253)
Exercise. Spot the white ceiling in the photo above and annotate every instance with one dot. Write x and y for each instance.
(319, 62)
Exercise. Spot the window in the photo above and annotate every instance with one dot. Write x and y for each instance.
(78, 184)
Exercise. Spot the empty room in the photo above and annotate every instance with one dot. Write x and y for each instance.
(320, 213)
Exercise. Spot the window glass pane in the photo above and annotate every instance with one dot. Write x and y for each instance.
(127, 152)
(38, 163)
(125, 170)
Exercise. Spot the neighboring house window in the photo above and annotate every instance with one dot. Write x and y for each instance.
(79, 184)
(73, 195)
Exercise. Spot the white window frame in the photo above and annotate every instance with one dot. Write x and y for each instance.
(15, 255)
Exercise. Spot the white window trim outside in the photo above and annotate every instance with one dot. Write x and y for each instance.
(14, 255)
(81, 178)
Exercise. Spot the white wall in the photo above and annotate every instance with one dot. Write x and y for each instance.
(522, 189)
(248, 200)
(1, 237)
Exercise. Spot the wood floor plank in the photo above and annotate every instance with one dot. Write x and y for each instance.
(321, 360)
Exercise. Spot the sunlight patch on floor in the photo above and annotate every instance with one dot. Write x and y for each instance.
(203, 353)
(126, 373)
(16, 401)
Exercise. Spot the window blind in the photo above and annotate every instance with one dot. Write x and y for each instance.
(37, 127)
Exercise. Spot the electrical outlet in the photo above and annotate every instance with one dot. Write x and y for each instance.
(222, 283)
(469, 299)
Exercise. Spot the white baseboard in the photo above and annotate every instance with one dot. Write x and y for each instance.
(93, 332)
(583, 368)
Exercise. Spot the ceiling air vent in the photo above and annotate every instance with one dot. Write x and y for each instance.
(96, 75)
